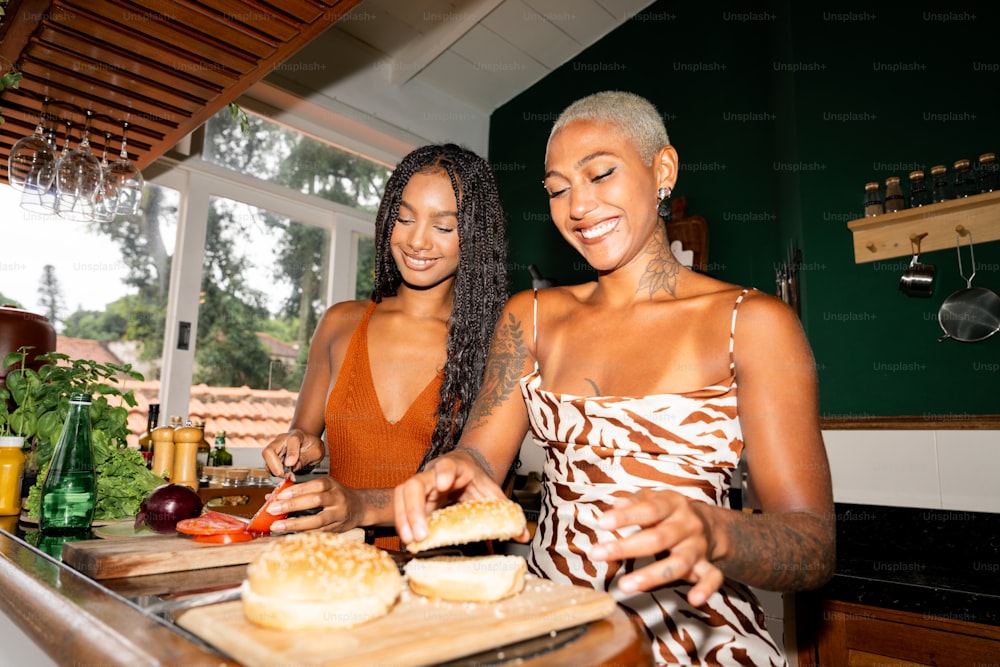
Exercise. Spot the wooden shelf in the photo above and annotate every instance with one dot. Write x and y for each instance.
(887, 236)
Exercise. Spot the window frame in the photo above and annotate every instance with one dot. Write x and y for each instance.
(198, 180)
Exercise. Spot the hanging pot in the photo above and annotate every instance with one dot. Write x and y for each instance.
(971, 314)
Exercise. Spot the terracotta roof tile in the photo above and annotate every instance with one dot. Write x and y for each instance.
(249, 417)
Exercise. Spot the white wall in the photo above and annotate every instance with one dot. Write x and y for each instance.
(342, 74)
(951, 470)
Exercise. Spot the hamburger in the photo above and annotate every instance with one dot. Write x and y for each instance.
(319, 580)
(469, 578)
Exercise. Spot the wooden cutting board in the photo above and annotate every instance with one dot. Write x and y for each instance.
(417, 631)
(157, 554)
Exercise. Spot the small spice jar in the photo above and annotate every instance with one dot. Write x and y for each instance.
(11, 471)
(893, 195)
(963, 179)
(873, 200)
(236, 476)
(940, 187)
(919, 194)
(989, 173)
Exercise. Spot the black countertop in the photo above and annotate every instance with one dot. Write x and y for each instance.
(936, 562)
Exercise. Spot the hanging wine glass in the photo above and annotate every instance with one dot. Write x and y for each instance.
(40, 194)
(32, 159)
(128, 179)
(78, 177)
(106, 198)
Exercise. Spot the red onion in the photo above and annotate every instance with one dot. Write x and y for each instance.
(166, 505)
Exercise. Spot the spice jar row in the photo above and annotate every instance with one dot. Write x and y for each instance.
(964, 180)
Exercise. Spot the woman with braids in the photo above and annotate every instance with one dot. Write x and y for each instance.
(391, 380)
(644, 387)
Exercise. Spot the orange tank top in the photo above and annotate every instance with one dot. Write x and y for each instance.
(366, 449)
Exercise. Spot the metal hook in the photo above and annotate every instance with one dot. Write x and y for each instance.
(960, 232)
(915, 240)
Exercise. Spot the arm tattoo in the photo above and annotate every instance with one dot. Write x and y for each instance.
(662, 269)
(787, 552)
(377, 498)
(503, 370)
(479, 458)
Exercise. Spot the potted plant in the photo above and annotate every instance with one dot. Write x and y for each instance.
(41, 402)
(7, 430)
(41, 399)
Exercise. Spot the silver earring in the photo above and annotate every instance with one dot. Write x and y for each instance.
(663, 207)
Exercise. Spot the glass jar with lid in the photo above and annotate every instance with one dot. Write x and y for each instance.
(989, 173)
(919, 194)
(893, 195)
(940, 187)
(873, 200)
(963, 179)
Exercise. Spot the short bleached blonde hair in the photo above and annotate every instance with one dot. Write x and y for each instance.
(634, 116)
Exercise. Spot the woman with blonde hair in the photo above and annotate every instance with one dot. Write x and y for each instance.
(644, 388)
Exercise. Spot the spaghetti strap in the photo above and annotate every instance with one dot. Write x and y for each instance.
(732, 331)
(534, 328)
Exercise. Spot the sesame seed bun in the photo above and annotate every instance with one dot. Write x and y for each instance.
(467, 579)
(471, 521)
(318, 580)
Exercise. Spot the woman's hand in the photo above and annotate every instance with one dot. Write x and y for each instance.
(456, 476)
(295, 449)
(341, 507)
(676, 530)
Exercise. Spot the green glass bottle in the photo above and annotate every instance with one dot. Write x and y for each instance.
(221, 456)
(69, 492)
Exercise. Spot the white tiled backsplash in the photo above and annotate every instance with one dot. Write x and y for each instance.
(952, 469)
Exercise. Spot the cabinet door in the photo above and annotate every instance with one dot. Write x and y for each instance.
(853, 635)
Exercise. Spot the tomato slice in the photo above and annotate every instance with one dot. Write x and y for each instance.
(261, 522)
(212, 523)
(223, 538)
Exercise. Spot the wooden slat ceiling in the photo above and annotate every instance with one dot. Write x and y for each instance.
(164, 66)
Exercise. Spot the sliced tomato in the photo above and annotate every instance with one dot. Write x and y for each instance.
(223, 538)
(212, 523)
(261, 522)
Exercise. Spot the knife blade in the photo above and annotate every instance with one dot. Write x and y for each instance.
(182, 602)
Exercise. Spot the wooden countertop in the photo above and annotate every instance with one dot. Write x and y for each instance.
(96, 624)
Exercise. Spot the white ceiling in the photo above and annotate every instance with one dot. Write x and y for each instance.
(481, 52)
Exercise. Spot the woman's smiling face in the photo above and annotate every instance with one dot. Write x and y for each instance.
(602, 194)
(424, 237)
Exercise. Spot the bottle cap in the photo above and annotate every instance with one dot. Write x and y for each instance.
(11, 441)
(938, 169)
(961, 164)
(987, 157)
(892, 180)
(918, 173)
(871, 186)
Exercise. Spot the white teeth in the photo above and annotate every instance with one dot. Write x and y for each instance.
(418, 261)
(598, 230)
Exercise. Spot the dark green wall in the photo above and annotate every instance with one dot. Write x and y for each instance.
(780, 114)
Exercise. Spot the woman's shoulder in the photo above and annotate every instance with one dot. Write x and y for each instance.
(550, 298)
(343, 316)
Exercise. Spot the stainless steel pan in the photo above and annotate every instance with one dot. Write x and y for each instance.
(972, 313)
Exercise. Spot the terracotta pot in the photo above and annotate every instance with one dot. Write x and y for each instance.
(19, 328)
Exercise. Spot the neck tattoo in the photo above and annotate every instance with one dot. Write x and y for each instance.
(662, 268)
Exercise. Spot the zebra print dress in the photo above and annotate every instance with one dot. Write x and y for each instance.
(600, 448)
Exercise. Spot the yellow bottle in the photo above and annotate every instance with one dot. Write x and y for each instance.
(11, 470)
